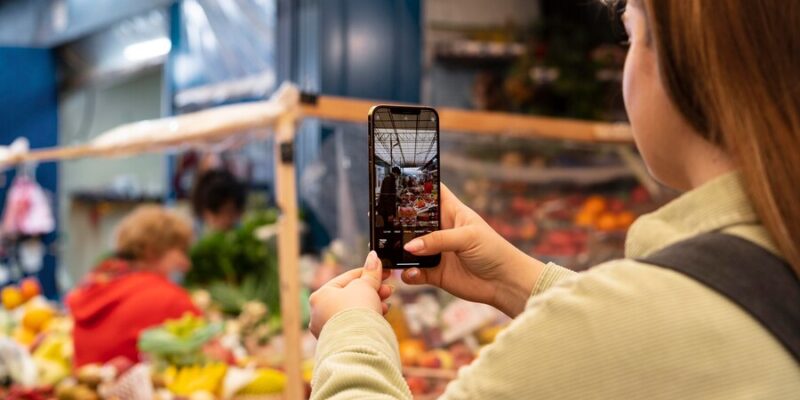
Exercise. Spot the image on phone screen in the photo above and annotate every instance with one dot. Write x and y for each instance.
(405, 182)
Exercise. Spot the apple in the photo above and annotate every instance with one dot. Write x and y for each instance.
(616, 205)
(417, 385)
(214, 350)
(463, 359)
(446, 360)
(429, 360)
(640, 195)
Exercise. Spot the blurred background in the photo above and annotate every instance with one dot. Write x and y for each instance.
(71, 69)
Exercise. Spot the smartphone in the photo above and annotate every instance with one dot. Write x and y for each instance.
(403, 182)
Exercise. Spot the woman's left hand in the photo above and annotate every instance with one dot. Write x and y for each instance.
(357, 288)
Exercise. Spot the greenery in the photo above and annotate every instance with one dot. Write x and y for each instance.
(238, 267)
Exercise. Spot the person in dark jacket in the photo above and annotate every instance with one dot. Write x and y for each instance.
(387, 200)
(218, 199)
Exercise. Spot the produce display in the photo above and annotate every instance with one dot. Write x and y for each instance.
(439, 334)
(215, 356)
(178, 342)
(569, 204)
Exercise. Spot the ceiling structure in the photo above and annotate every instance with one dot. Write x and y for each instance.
(50, 23)
(405, 140)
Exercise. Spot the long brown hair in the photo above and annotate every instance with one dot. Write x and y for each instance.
(733, 70)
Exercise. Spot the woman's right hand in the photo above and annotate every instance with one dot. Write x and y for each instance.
(477, 263)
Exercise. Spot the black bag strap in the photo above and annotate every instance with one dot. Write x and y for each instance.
(761, 283)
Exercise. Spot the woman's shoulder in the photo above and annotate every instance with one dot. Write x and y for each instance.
(646, 286)
(625, 280)
(651, 304)
(623, 323)
(625, 311)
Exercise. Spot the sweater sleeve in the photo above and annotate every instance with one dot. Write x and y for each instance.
(357, 358)
(550, 276)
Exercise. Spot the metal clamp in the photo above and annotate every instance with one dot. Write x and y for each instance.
(287, 152)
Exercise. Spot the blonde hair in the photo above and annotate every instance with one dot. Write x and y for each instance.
(733, 70)
(150, 231)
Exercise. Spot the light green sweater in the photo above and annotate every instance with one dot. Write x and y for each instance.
(622, 330)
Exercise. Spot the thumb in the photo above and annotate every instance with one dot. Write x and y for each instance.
(448, 240)
(372, 273)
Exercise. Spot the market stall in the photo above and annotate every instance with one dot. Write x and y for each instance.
(423, 335)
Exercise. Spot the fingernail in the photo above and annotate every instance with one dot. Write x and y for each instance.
(414, 246)
(413, 273)
(372, 261)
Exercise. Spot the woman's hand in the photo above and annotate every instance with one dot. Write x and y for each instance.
(357, 288)
(477, 263)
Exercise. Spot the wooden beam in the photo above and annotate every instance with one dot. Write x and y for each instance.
(433, 373)
(289, 257)
(158, 135)
(220, 123)
(481, 122)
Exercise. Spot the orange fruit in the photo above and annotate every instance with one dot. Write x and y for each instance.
(584, 218)
(36, 318)
(30, 288)
(625, 219)
(594, 205)
(24, 336)
(11, 297)
(606, 222)
(410, 351)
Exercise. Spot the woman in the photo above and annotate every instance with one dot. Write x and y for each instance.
(712, 89)
(132, 291)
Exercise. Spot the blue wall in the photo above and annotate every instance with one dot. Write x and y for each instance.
(28, 107)
(371, 49)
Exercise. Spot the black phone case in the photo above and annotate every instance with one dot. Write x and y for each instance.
(424, 262)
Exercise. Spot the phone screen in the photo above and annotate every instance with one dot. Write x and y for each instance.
(404, 182)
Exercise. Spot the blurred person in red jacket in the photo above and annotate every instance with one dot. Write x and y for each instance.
(133, 290)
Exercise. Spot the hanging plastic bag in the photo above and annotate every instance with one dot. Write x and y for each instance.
(27, 210)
